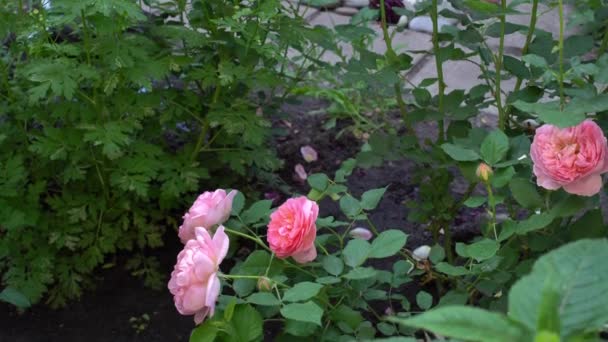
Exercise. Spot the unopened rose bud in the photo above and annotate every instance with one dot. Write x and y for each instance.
(264, 284)
(484, 172)
(309, 154)
(421, 253)
(360, 233)
(300, 172)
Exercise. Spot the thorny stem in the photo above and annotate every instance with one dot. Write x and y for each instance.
(561, 53)
(392, 56)
(502, 118)
(439, 66)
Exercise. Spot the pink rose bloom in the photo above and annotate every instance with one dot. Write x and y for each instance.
(209, 209)
(194, 282)
(292, 230)
(573, 158)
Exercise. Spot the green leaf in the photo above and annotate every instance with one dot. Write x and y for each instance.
(358, 273)
(347, 315)
(318, 181)
(525, 193)
(388, 243)
(534, 222)
(371, 198)
(206, 332)
(238, 203)
(454, 271)
(482, 250)
(256, 212)
(578, 274)
(247, 323)
(356, 252)
(516, 67)
(12, 296)
(350, 206)
(466, 323)
(460, 153)
(263, 298)
(303, 312)
(333, 265)
(302, 291)
(424, 300)
(551, 113)
(494, 147)
(475, 201)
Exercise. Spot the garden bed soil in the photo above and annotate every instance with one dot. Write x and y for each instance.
(107, 312)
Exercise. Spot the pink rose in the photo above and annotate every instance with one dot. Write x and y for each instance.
(573, 158)
(194, 282)
(209, 209)
(292, 230)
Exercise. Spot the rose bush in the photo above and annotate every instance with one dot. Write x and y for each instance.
(529, 180)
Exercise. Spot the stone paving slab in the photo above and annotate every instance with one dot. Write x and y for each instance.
(405, 41)
(547, 20)
(457, 75)
(304, 11)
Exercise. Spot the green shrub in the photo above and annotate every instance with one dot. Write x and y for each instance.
(112, 117)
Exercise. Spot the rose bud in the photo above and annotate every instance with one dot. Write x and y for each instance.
(264, 284)
(484, 172)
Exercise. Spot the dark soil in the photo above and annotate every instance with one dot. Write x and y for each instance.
(106, 313)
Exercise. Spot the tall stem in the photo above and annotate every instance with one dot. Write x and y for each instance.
(562, 100)
(529, 36)
(439, 66)
(392, 56)
(502, 117)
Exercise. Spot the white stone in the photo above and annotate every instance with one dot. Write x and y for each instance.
(425, 24)
(349, 11)
(356, 3)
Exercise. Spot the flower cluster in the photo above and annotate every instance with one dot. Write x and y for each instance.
(195, 284)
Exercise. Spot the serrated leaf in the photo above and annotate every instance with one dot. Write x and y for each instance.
(578, 274)
(466, 323)
(459, 153)
(388, 243)
(302, 291)
(494, 147)
(303, 312)
(356, 252)
(333, 265)
(263, 298)
(371, 198)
